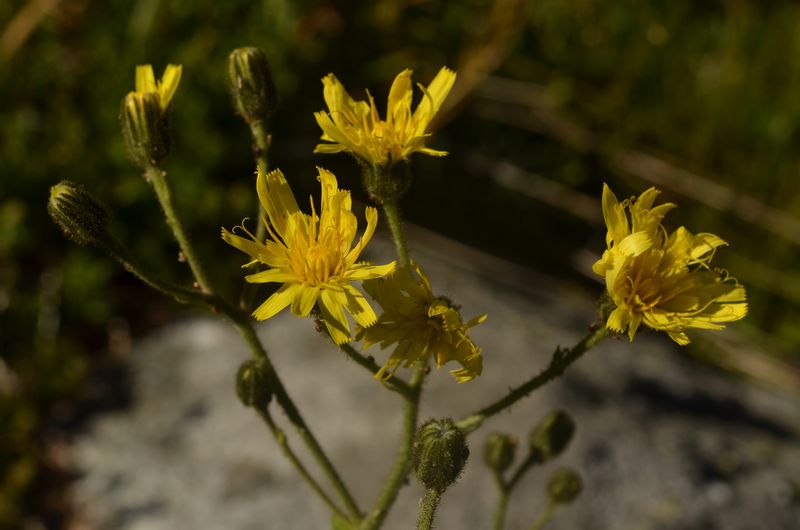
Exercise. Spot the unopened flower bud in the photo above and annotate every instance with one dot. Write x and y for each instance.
(252, 384)
(498, 453)
(564, 486)
(551, 436)
(250, 80)
(145, 128)
(440, 453)
(79, 215)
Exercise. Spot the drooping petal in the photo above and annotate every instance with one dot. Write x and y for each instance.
(366, 271)
(305, 300)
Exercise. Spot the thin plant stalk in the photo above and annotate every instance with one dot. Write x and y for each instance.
(427, 509)
(561, 360)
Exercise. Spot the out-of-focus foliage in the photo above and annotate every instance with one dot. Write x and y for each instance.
(709, 86)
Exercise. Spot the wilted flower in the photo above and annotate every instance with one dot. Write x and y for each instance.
(421, 326)
(356, 127)
(311, 255)
(661, 279)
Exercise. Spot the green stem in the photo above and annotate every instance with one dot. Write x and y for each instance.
(283, 442)
(157, 178)
(521, 470)
(545, 516)
(392, 213)
(402, 464)
(561, 360)
(261, 144)
(427, 509)
(245, 328)
(500, 511)
(393, 382)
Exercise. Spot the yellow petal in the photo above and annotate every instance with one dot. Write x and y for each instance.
(358, 306)
(366, 271)
(145, 79)
(279, 300)
(614, 215)
(304, 301)
(618, 320)
(372, 221)
(248, 246)
(433, 97)
(334, 317)
(276, 198)
(399, 101)
(271, 276)
(169, 84)
(634, 244)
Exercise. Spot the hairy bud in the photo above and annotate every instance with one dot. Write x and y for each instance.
(252, 384)
(440, 453)
(250, 80)
(145, 128)
(498, 453)
(551, 436)
(564, 486)
(79, 215)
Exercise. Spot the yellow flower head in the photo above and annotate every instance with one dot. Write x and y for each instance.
(311, 255)
(661, 279)
(165, 88)
(421, 325)
(355, 126)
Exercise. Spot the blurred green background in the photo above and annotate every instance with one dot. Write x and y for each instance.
(701, 99)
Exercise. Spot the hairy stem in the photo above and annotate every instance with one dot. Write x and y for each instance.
(245, 328)
(561, 360)
(392, 213)
(402, 464)
(394, 382)
(157, 178)
(545, 516)
(427, 509)
(283, 443)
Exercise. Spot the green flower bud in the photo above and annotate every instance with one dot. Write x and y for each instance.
(250, 80)
(385, 183)
(253, 385)
(551, 436)
(564, 486)
(440, 453)
(79, 215)
(145, 128)
(498, 453)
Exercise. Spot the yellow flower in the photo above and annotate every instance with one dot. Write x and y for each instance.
(355, 126)
(659, 279)
(311, 255)
(421, 325)
(165, 88)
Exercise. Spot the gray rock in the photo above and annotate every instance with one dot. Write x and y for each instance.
(662, 442)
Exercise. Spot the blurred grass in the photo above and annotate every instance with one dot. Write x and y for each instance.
(709, 87)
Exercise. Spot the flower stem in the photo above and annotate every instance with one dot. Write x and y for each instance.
(562, 358)
(262, 141)
(245, 328)
(394, 382)
(157, 178)
(402, 464)
(280, 437)
(427, 509)
(392, 212)
(500, 511)
(545, 516)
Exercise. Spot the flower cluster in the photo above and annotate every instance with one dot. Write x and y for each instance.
(662, 279)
